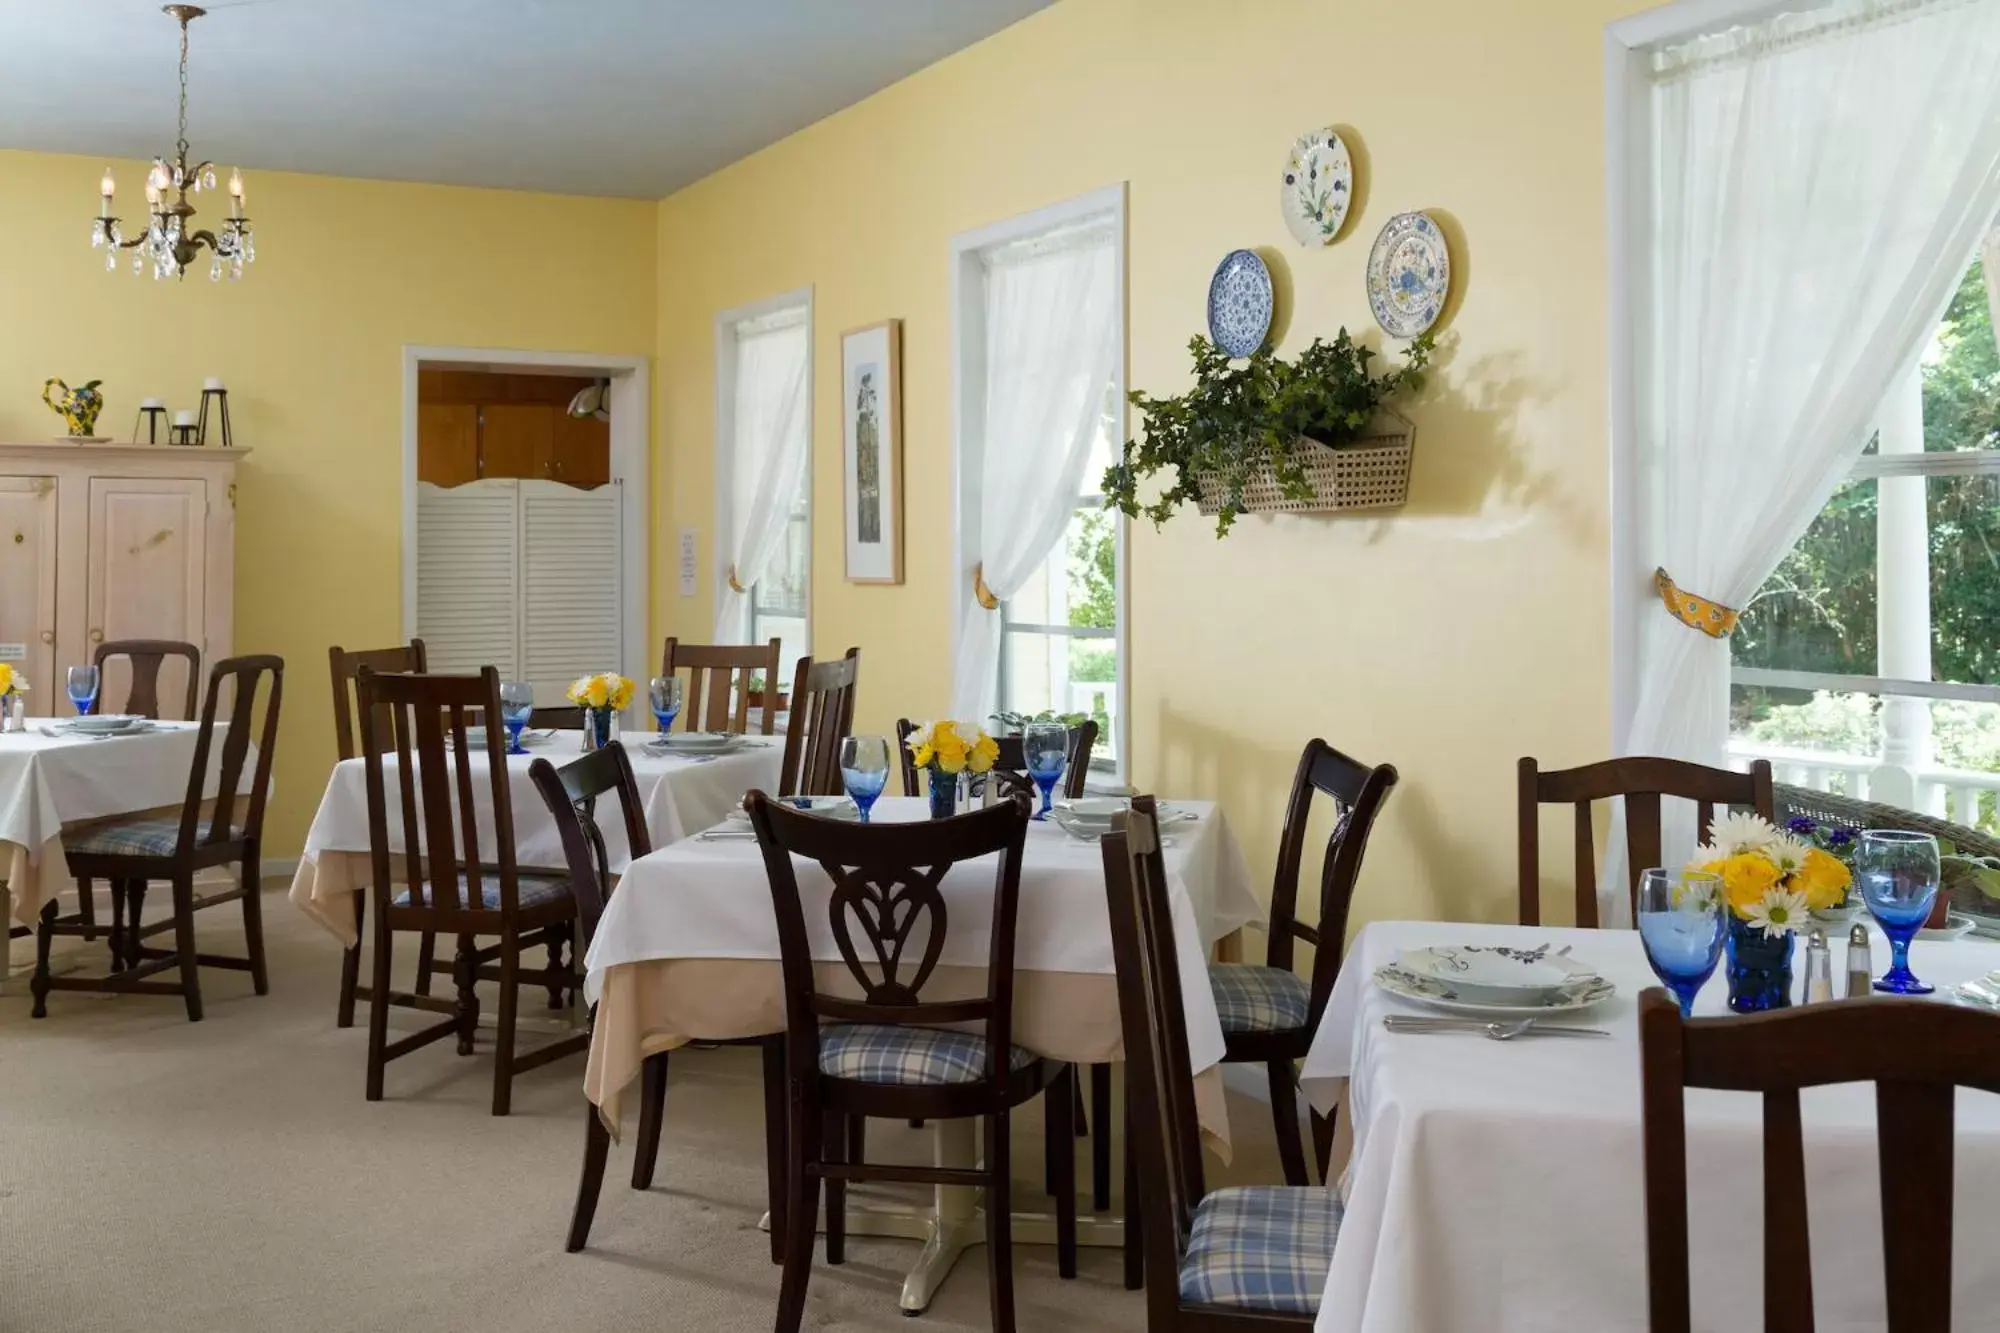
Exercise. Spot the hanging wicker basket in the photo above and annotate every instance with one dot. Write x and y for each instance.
(1373, 472)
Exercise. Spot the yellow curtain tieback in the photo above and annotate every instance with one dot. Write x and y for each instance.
(734, 586)
(1711, 618)
(981, 591)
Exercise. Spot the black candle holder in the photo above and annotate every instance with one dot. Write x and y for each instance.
(150, 420)
(183, 435)
(221, 397)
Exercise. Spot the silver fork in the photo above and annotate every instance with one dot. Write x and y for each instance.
(1523, 1027)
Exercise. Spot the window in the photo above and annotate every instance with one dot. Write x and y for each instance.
(1869, 662)
(764, 475)
(1038, 333)
(1059, 646)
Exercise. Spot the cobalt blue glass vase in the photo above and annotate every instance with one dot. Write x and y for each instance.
(1760, 968)
(597, 727)
(944, 794)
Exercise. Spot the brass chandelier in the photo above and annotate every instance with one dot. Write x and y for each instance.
(170, 240)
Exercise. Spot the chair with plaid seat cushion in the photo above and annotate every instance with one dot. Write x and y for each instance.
(888, 1053)
(1268, 1012)
(232, 759)
(531, 890)
(1261, 1248)
(1243, 1259)
(910, 1056)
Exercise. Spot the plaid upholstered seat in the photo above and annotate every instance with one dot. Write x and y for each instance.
(531, 890)
(1252, 998)
(1262, 1247)
(889, 1053)
(132, 837)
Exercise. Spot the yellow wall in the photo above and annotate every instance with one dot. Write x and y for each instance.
(1449, 639)
(310, 343)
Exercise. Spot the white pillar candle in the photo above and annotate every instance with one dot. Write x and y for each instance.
(184, 418)
(211, 383)
(149, 404)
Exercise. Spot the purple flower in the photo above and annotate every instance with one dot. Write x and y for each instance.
(1840, 837)
(1800, 825)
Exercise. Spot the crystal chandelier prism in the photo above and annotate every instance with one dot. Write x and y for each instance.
(170, 240)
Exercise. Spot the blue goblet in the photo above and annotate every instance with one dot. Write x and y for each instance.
(864, 770)
(82, 685)
(1898, 874)
(1683, 920)
(665, 693)
(1045, 751)
(517, 705)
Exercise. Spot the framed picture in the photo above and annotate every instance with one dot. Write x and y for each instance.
(871, 415)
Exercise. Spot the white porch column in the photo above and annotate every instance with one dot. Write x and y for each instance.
(1903, 595)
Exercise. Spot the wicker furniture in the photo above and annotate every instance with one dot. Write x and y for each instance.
(1641, 780)
(1372, 472)
(1917, 1054)
(1960, 886)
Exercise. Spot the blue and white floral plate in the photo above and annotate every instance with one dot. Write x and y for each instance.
(1409, 275)
(1319, 185)
(1493, 980)
(1240, 303)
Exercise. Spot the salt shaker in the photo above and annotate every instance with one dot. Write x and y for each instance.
(13, 712)
(1860, 969)
(1819, 968)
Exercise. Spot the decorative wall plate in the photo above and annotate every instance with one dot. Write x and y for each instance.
(1319, 185)
(1239, 303)
(1409, 275)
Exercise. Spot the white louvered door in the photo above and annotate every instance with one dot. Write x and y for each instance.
(571, 545)
(469, 576)
(524, 576)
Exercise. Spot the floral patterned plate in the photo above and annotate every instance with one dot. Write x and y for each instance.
(1409, 275)
(1319, 185)
(1239, 303)
(1415, 976)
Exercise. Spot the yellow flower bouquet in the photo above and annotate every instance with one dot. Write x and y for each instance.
(947, 748)
(1771, 879)
(602, 697)
(11, 681)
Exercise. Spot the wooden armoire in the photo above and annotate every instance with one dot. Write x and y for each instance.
(113, 541)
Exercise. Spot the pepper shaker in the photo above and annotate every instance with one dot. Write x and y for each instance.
(1860, 969)
(1819, 968)
(13, 712)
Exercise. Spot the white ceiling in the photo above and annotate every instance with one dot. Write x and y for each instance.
(611, 97)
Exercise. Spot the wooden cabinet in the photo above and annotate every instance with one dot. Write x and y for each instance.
(118, 542)
(480, 426)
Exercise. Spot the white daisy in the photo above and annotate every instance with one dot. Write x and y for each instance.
(920, 737)
(1788, 854)
(1779, 912)
(1742, 833)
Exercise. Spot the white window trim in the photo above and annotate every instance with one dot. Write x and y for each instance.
(1628, 46)
(631, 458)
(967, 384)
(725, 438)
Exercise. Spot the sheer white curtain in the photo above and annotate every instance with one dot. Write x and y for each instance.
(1819, 182)
(1989, 263)
(1051, 330)
(770, 448)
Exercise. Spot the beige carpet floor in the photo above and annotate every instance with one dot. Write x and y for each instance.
(162, 1176)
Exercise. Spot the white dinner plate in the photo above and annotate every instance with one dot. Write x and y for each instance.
(1957, 926)
(93, 722)
(1496, 974)
(1090, 830)
(1406, 985)
(696, 742)
(476, 737)
(827, 807)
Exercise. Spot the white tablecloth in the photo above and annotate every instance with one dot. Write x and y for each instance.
(1499, 1185)
(49, 781)
(710, 900)
(680, 795)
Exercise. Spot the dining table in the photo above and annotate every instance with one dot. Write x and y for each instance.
(1499, 1185)
(687, 950)
(678, 793)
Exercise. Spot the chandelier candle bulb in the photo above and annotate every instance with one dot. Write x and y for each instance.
(106, 189)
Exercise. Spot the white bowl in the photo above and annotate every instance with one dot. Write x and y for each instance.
(1491, 974)
(106, 721)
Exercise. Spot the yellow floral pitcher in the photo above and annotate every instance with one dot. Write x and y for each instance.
(77, 407)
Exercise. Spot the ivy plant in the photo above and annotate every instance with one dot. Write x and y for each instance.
(1240, 417)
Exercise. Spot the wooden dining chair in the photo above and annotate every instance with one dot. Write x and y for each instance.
(1641, 780)
(880, 1055)
(718, 673)
(1236, 1259)
(1269, 1013)
(147, 656)
(346, 667)
(206, 832)
(1012, 762)
(413, 726)
(822, 715)
(1916, 1054)
(571, 794)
